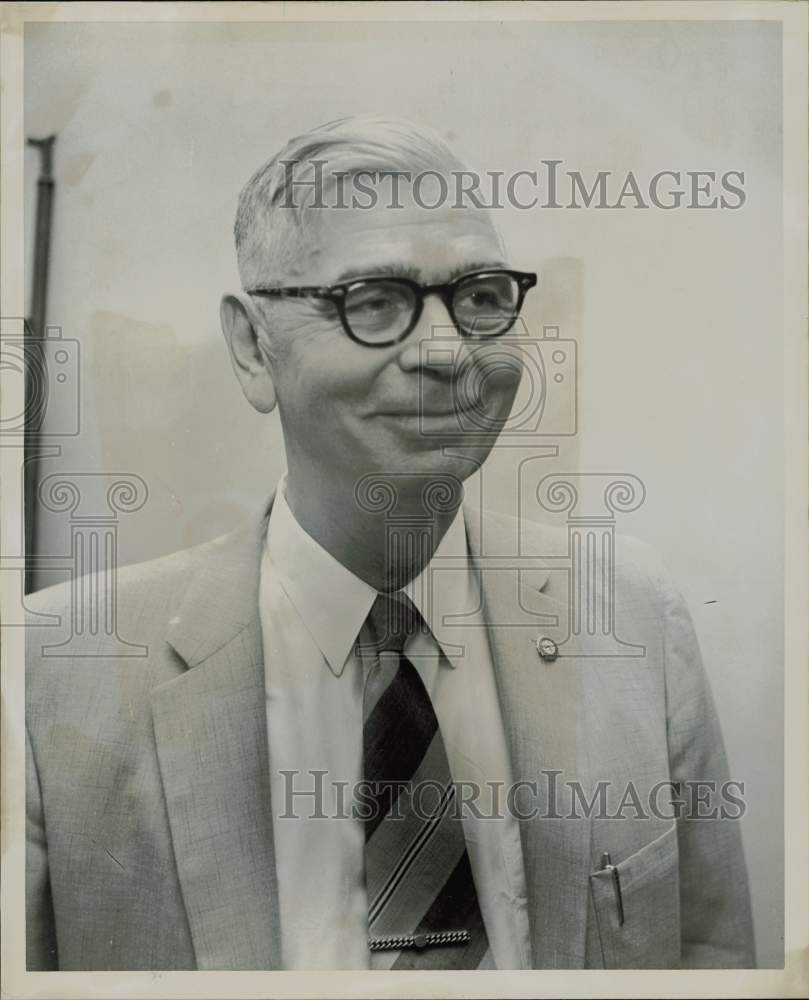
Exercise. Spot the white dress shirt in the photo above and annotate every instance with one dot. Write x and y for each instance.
(312, 608)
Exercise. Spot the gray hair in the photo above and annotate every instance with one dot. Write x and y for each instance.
(270, 227)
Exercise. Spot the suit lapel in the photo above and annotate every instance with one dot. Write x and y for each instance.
(211, 732)
(543, 712)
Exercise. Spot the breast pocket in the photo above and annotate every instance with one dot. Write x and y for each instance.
(648, 882)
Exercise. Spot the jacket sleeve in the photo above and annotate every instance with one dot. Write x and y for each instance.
(715, 916)
(40, 931)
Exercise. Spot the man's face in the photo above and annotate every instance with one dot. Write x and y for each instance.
(348, 409)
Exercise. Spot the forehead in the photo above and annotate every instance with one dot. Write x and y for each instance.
(428, 243)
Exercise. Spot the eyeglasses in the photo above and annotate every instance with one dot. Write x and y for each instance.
(382, 311)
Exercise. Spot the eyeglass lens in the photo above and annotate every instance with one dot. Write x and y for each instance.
(486, 305)
(382, 310)
(379, 310)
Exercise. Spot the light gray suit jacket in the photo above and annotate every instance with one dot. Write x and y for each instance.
(149, 825)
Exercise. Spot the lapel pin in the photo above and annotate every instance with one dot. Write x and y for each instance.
(547, 648)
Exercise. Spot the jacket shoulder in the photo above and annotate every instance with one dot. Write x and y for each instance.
(95, 667)
(158, 581)
(75, 651)
(635, 561)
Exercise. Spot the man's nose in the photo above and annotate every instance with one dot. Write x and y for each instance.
(435, 342)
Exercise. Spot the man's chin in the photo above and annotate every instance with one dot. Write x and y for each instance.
(450, 455)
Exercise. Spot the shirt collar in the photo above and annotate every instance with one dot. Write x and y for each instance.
(333, 603)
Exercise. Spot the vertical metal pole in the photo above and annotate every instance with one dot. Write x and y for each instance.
(35, 360)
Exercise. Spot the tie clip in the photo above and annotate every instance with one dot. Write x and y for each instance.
(418, 941)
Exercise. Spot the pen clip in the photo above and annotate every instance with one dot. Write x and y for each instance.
(608, 866)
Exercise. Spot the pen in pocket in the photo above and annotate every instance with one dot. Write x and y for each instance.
(608, 866)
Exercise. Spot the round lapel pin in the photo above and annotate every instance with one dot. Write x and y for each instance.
(547, 648)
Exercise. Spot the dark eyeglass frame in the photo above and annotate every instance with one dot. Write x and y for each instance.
(338, 293)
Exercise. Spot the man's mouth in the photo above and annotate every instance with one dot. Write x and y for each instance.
(454, 408)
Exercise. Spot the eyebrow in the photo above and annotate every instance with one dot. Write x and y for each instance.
(412, 272)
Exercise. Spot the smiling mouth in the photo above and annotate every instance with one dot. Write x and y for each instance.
(422, 416)
(426, 412)
(421, 413)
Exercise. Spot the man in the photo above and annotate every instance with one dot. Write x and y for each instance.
(344, 746)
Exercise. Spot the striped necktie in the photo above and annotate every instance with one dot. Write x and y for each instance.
(422, 901)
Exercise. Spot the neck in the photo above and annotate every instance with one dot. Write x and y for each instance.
(386, 552)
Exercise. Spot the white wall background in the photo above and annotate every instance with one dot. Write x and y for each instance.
(678, 315)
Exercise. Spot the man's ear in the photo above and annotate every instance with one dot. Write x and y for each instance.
(247, 354)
